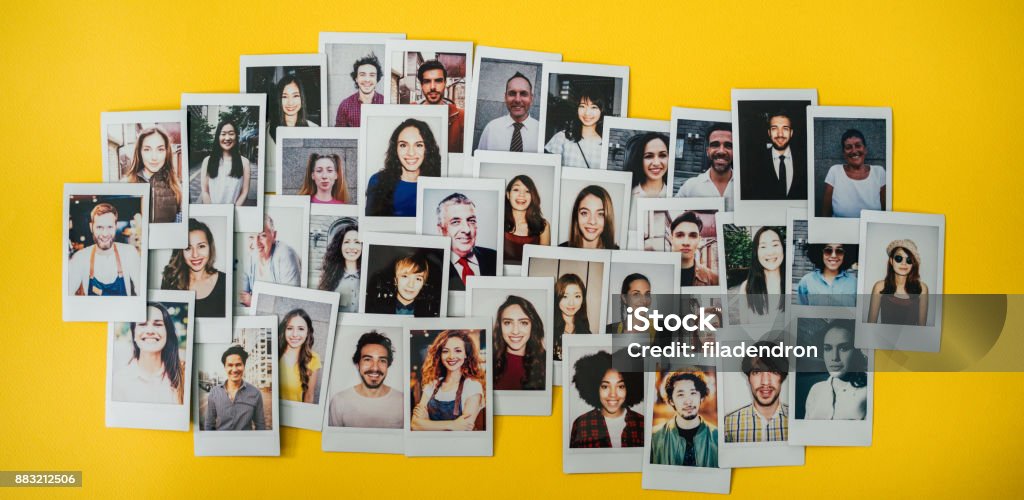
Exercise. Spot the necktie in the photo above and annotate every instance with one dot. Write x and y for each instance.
(517, 138)
(466, 270)
(782, 175)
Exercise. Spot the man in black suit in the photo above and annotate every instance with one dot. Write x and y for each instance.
(456, 218)
(780, 173)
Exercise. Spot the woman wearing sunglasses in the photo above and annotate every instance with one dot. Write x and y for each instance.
(901, 298)
(832, 282)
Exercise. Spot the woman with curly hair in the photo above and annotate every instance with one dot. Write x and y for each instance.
(192, 269)
(341, 268)
(452, 381)
(844, 394)
(571, 302)
(153, 163)
(300, 366)
(901, 298)
(412, 152)
(325, 180)
(579, 143)
(524, 222)
(611, 423)
(156, 372)
(519, 359)
(831, 283)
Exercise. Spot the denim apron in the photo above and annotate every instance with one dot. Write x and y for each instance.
(116, 288)
(445, 410)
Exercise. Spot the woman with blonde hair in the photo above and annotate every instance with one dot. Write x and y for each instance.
(153, 163)
(325, 180)
(452, 381)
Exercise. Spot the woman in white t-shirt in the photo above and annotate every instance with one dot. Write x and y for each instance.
(579, 141)
(855, 185)
(156, 372)
(452, 385)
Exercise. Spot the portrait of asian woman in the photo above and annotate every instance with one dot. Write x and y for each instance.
(299, 365)
(832, 282)
(156, 371)
(901, 298)
(340, 271)
(647, 159)
(611, 393)
(412, 152)
(452, 379)
(592, 220)
(519, 359)
(325, 180)
(579, 142)
(153, 163)
(843, 395)
(524, 222)
(291, 106)
(766, 277)
(571, 317)
(193, 268)
(225, 172)
(854, 185)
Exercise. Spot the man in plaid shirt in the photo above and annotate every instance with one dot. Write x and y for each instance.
(767, 417)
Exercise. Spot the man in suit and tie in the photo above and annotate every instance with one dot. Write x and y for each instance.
(781, 173)
(456, 218)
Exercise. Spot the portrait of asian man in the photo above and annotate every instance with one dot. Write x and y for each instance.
(235, 405)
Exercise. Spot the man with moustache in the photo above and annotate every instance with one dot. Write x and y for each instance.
(274, 261)
(433, 78)
(106, 267)
(456, 218)
(686, 239)
(686, 439)
(778, 174)
(517, 131)
(235, 405)
(716, 181)
(370, 403)
(767, 417)
(366, 73)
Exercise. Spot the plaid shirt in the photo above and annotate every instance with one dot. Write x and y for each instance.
(589, 431)
(746, 425)
(348, 111)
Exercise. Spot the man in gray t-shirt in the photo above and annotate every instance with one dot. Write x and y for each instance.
(370, 403)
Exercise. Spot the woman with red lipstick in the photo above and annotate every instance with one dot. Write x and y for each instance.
(647, 159)
(844, 394)
(153, 163)
(156, 372)
(524, 222)
(592, 221)
(854, 185)
(901, 298)
(611, 423)
(519, 358)
(300, 366)
(452, 380)
(325, 180)
(193, 269)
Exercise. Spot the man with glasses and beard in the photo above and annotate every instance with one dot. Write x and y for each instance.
(105, 267)
(370, 403)
(716, 181)
(767, 417)
(685, 439)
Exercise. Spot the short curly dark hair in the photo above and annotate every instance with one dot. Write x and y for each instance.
(373, 337)
(778, 365)
(700, 383)
(590, 369)
(429, 65)
(363, 61)
(235, 349)
(815, 253)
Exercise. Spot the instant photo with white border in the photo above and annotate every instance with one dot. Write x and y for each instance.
(213, 443)
(603, 178)
(627, 262)
(645, 206)
(161, 234)
(584, 69)
(335, 133)
(799, 215)
(294, 413)
(410, 241)
(355, 39)
(522, 401)
(98, 307)
(736, 298)
(635, 126)
(449, 443)
(831, 229)
(894, 336)
(301, 250)
(157, 416)
(698, 115)
(367, 439)
(247, 219)
(764, 212)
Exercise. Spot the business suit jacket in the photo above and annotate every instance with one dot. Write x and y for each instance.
(485, 257)
(764, 184)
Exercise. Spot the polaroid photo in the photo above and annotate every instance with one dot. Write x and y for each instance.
(850, 154)
(639, 147)
(305, 338)
(504, 92)
(209, 254)
(639, 279)
(321, 163)
(147, 147)
(683, 398)
(521, 313)
(236, 389)
(532, 184)
(450, 396)
(575, 100)
(149, 365)
(355, 74)
(277, 253)
(689, 227)
(366, 410)
(587, 206)
(755, 268)
(771, 152)
(398, 144)
(819, 274)
(833, 393)
(700, 145)
(581, 278)
(405, 275)
(106, 252)
(296, 90)
(600, 432)
(754, 398)
(901, 268)
(227, 130)
(433, 72)
(335, 253)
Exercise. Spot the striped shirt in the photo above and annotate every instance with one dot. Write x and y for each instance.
(746, 425)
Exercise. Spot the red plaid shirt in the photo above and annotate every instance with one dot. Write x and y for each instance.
(348, 111)
(590, 431)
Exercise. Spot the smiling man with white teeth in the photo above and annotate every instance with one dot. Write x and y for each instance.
(716, 181)
(235, 405)
(685, 439)
(106, 267)
(370, 403)
(854, 185)
(781, 171)
(274, 261)
(517, 131)
(456, 218)
(767, 417)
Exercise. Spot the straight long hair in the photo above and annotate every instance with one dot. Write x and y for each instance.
(383, 193)
(607, 238)
(279, 120)
(580, 321)
(213, 163)
(533, 359)
(574, 132)
(535, 222)
(339, 191)
(757, 288)
(913, 283)
(174, 368)
(167, 174)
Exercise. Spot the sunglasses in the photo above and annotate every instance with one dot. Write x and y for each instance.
(899, 259)
(837, 251)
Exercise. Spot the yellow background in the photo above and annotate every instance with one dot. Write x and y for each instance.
(951, 71)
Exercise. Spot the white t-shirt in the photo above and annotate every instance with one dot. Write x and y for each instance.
(615, 427)
(850, 196)
(105, 269)
(703, 187)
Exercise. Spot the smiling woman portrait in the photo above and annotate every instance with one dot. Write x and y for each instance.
(452, 379)
(300, 366)
(611, 393)
(412, 152)
(193, 269)
(519, 358)
(153, 162)
(854, 185)
(592, 220)
(156, 371)
(524, 222)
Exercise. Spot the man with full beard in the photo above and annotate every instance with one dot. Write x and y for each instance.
(370, 403)
(767, 417)
(716, 181)
(685, 439)
(105, 267)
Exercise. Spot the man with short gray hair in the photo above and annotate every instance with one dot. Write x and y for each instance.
(456, 218)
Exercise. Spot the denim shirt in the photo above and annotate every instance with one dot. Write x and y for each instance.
(813, 290)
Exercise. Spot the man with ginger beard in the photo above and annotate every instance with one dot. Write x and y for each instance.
(456, 218)
(433, 78)
(767, 417)
(685, 236)
(370, 403)
(685, 439)
(106, 267)
(517, 131)
(716, 181)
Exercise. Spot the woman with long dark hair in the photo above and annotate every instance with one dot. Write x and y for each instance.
(524, 221)
(291, 106)
(831, 283)
(519, 359)
(844, 395)
(193, 269)
(571, 302)
(580, 142)
(592, 220)
(412, 152)
(611, 423)
(325, 180)
(766, 276)
(647, 160)
(341, 268)
(153, 163)
(156, 372)
(300, 366)
(225, 176)
(452, 381)
(901, 298)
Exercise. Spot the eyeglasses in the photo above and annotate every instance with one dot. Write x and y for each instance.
(837, 251)
(899, 259)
